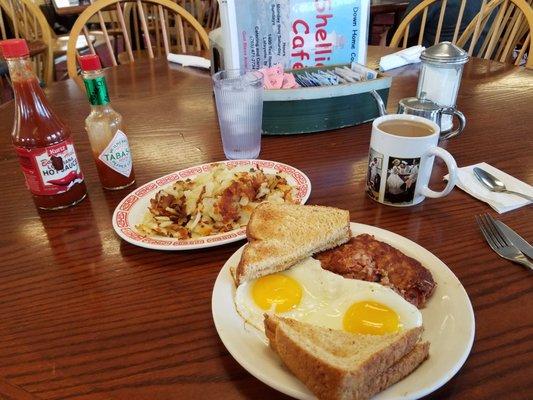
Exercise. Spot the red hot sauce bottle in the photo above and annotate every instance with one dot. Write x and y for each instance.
(42, 141)
(109, 143)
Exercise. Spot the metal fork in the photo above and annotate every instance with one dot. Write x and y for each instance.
(499, 243)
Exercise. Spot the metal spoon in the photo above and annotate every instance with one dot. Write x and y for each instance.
(494, 184)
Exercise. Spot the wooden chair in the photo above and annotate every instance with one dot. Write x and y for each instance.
(511, 28)
(165, 27)
(188, 39)
(512, 25)
(26, 21)
(206, 12)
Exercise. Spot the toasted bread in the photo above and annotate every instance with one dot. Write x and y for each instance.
(280, 235)
(337, 365)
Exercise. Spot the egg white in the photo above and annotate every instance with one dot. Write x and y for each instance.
(326, 297)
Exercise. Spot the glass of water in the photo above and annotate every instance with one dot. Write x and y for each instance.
(239, 99)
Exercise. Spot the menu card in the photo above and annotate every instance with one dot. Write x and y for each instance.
(294, 33)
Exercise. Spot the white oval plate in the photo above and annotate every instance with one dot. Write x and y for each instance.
(130, 211)
(448, 321)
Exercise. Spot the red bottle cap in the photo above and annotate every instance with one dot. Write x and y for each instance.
(13, 48)
(90, 62)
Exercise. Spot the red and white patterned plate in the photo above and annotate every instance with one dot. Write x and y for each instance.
(131, 209)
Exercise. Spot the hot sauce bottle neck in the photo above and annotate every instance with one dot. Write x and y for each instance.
(96, 88)
(21, 70)
(94, 80)
(16, 53)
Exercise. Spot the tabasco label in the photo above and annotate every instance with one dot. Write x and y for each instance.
(50, 170)
(117, 154)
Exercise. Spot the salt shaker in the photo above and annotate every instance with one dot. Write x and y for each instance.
(440, 77)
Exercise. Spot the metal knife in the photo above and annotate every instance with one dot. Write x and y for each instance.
(516, 239)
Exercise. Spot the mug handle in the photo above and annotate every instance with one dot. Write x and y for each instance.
(452, 171)
(462, 123)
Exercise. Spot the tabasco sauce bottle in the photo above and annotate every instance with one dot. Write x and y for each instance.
(109, 143)
(42, 141)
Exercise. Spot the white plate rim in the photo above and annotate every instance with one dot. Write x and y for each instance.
(123, 228)
(388, 237)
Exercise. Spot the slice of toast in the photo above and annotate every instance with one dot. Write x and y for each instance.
(338, 365)
(280, 235)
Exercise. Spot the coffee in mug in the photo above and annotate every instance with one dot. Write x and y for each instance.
(406, 128)
(402, 150)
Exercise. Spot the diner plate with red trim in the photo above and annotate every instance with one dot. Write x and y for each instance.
(131, 210)
(448, 320)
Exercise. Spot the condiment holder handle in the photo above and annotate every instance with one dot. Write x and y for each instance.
(462, 123)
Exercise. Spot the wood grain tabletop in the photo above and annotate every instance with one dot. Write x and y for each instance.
(88, 316)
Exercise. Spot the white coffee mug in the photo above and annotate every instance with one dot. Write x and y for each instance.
(399, 166)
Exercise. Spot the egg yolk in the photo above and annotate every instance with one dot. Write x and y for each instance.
(277, 290)
(371, 318)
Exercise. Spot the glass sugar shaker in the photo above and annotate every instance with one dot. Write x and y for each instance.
(440, 77)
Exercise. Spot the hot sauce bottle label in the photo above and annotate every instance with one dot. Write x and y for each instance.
(117, 154)
(50, 170)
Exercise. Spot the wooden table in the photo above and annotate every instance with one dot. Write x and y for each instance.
(86, 315)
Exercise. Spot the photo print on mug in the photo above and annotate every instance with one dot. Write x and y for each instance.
(373, 176)
(402, 174)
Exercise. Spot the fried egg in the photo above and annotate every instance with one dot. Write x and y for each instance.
(308, 293)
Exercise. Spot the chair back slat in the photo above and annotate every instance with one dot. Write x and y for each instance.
(14, 19)
(482, 27)
(88, 40)
(153, 24)
(477, 30)
(35, 23)
(523, 50)
(422, 26)
(181, 33)
(164, 29)
(197, 41)
(405, 37)
(146, 32)
(2, 25)
(441, 18)
(136, 29)
(125, 32)
(167, 28)
(459, 21)
(25, 23)
(106, 38)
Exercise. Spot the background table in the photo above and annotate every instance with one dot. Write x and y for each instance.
(389, 6)
(70, 7)
(88, 316)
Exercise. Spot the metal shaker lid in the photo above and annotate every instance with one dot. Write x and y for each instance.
(445, 53)
(420, 104)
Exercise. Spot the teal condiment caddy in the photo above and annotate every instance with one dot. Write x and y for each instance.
(322, 108)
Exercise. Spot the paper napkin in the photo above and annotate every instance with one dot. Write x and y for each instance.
(403, 57)
(189, 61)
(501, 202)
